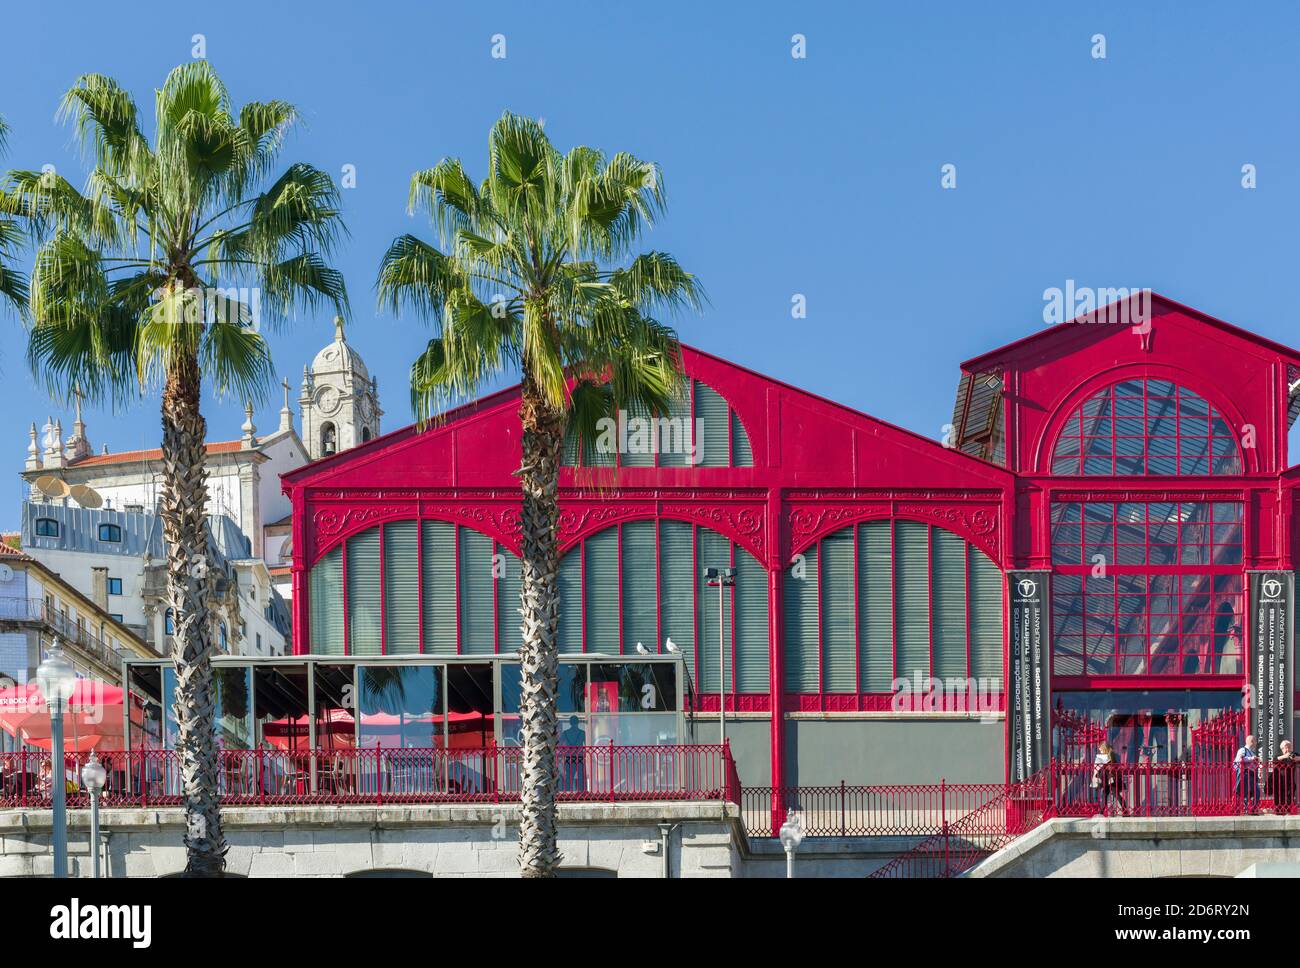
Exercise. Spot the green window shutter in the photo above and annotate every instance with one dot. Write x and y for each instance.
(986, 590)
(801, 672)
(509, 620)
(401, 589)
(438, 577)
(876, 606)
(640, 622)
(949, 604)
(327, 603)
(674, 440)
(677, 585)
(712, 551)
(711, 418)
(477, 632)
(752, 655)
(571, 600)
(839, 637)
(601, 550)
(912, 597)
(640, 439)
(569, 452)
(742, 454)
(363, 593)
(599, 450)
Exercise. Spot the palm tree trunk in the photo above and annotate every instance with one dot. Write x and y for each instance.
(183, 508)
(543, 436)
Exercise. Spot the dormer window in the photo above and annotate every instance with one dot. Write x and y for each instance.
(110, 532)
(47, 528)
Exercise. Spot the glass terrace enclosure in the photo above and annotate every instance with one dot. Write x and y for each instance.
(418, 702)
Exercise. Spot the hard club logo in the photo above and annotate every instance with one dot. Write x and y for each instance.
(1272, 588)
(1027, 587)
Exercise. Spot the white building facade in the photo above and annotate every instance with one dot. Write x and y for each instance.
(79, 499)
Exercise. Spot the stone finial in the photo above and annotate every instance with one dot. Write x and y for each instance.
(33, 461)
(248, 441)
(338, 330)
(53, 456)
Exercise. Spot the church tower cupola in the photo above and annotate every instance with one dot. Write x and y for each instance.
(339, 401)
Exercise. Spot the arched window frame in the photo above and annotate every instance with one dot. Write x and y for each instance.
(1075, 402)
(329, 435)
(740, 443)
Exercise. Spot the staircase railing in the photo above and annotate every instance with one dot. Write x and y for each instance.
(971, 838)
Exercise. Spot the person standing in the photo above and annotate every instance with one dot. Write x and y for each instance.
(1106, 778)
(1282, 778)
(1246, 767)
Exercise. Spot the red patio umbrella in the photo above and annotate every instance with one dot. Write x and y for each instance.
(92, 720)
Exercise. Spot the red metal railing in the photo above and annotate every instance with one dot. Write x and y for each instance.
(867, 811)
(615, 774)
(1214, 789)
(960, 845)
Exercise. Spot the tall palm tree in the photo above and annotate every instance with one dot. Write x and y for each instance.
(160, 274)
(535, 275)
(13, 284)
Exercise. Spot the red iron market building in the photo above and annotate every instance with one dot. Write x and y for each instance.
(1106, 534)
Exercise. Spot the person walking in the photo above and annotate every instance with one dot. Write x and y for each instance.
(1106, 778)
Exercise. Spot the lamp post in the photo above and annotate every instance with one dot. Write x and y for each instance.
(56, 678)
(791, 838)
(722, 578)
(93, 776)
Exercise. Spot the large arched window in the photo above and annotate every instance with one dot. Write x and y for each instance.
(703, 431)
(437, 587)
(887, 600)
(1146, 427)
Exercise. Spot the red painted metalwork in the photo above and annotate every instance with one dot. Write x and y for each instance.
(867, 811)
(618, 774)
(819, 466)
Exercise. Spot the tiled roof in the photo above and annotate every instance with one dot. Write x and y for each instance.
(133, 456)
(9, 551)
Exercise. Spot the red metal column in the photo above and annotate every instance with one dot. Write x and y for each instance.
(298, 575)
(775, 569)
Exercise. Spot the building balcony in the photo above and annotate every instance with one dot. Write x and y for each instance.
(34, 614)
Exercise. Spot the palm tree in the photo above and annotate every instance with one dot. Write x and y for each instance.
(534, 275)
(13, 284)
(159, 274)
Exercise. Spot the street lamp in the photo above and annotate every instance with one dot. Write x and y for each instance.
(56, 678)
(791, 837)
(93, 777)
(722, 578)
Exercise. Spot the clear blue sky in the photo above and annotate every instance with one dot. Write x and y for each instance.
(818, 176)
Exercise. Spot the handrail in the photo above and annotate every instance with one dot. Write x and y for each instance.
(384, 775)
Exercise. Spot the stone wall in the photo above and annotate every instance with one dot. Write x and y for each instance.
(1148, 847)
(442, 840)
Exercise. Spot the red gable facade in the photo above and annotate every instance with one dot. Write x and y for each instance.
(868, 558)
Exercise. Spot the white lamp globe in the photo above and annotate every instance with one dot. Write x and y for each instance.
(93, 774)
(56, 677)
(792, 831)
